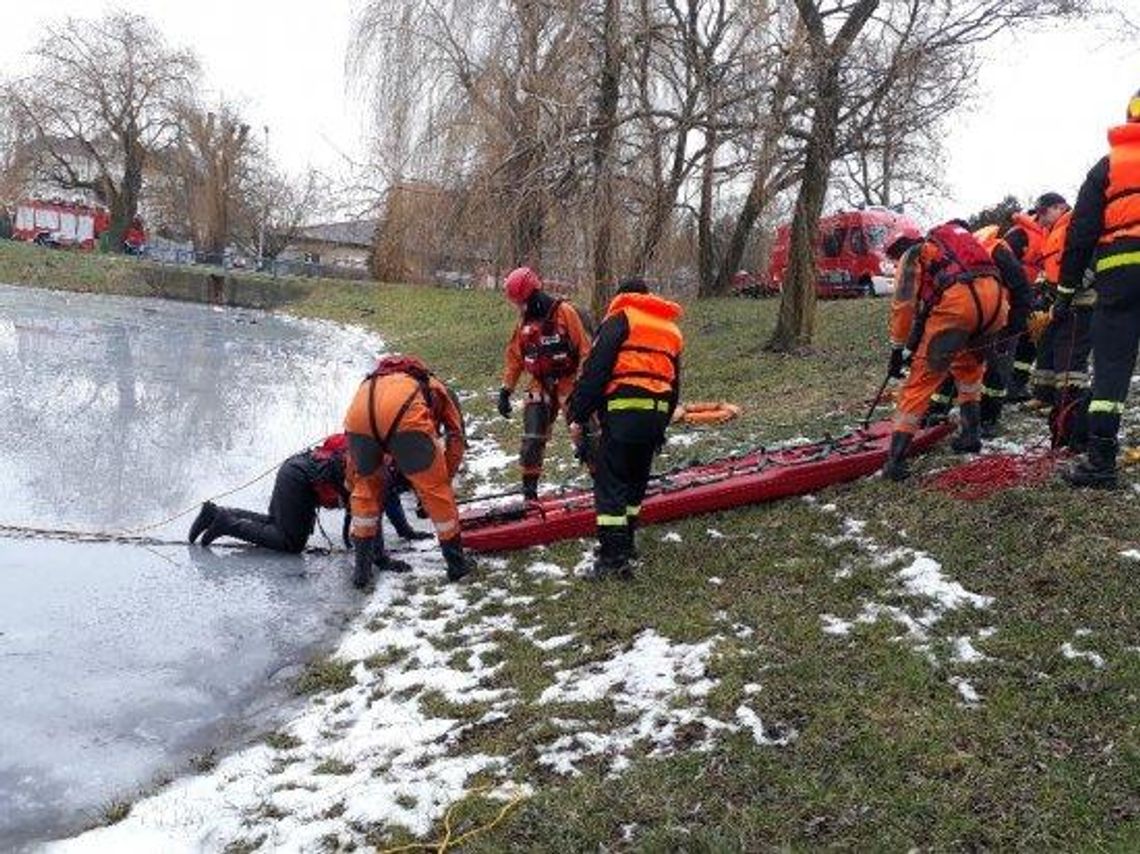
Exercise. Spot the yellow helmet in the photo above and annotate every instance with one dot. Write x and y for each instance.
(1134, 108)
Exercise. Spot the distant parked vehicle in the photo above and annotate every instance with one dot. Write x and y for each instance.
(71, 225)
(851, 248)
(746, 284)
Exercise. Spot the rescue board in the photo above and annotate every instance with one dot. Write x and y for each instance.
(750, 478)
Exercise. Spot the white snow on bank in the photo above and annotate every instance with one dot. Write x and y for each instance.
(751, 721)
(671, 537)
(652, 685)
(367, 756)
(1131, 554)
(969, 696)
(1071, 652)
(920, 578)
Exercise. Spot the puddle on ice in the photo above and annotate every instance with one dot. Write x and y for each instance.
(120, 662)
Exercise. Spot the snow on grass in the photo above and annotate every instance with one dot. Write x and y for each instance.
(918, 577)
(649, 686)
(671, 537)
(1131, 554)
(1071, 652)
(969, 696)
(751, 721)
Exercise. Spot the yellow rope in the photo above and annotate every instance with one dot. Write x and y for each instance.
(447, 843)
(144, 528)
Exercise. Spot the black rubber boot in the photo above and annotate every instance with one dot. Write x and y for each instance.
(613, 554)
(385, 562)
(990, 415)
(1018, 391)
(203, 520)
(458, 564)
(362, 575)
(632, 523)
(896, 468)
(530, 487)
(968, 440)
(220, 526)
(1098, 468)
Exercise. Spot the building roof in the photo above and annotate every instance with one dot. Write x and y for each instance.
(351, 233)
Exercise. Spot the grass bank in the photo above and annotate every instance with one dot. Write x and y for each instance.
(929, 672)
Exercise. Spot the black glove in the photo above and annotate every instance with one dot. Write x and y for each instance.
(1062, 307)
(897, 363)
(505, 402)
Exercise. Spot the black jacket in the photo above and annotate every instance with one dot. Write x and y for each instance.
(589, 394)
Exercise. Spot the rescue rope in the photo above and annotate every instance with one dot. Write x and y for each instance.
(447, 843)
(993, 473)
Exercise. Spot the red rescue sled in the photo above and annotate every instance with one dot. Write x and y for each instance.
(751, 478)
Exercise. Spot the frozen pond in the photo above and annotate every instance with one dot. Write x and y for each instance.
(118, 663)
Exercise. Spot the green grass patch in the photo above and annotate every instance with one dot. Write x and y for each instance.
(325, 674)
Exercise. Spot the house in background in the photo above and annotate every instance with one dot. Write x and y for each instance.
(334, 244)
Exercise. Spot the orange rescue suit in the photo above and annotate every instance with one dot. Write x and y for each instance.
(960, 322)
(1122, 199)
(1035, 235)
(554, 390)
(1054, 248)
(408, 416)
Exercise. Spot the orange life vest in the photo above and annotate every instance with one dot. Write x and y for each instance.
(1054, 248)
(1122, 196)
(1035, 234)
(647, 359)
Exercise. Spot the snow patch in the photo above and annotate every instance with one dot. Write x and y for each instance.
(969, 696)
(1071, 652)
(671, 537)
(751, 721)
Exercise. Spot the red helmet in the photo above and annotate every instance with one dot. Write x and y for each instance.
(521, 283)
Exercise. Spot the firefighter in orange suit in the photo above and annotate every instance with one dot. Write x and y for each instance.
(1026, 239)
(549, 343)
(948, 306)
(631, 381)
(398, 413)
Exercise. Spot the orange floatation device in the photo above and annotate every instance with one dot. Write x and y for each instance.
(706, 412)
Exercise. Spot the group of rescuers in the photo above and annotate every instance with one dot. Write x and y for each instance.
(404, 429)
(978, 316)
(985, 315)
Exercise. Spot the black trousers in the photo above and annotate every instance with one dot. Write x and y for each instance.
(629, 441)
(1072, 342)
(292, 512)
(1115, 336)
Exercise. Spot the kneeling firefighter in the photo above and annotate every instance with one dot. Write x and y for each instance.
(632, 381)
(306, 481)
(549, 343)
(949, 305)
(397, 413)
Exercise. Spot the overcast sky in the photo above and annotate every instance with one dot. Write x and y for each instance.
(1046, 100)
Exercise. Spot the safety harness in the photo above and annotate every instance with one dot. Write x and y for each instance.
(389, 365)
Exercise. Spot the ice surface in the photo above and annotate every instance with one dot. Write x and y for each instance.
(119, 662)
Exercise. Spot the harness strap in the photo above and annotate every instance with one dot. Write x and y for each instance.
(403, 410)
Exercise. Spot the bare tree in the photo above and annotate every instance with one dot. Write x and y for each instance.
(876, 47)
(105, 86)
(210, 154)
(605, 135)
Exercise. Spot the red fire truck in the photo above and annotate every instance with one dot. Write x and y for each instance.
(851, 252)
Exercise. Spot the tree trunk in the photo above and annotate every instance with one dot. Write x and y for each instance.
(706, 248)
(604, 206)
(125, 204)
(795, 325)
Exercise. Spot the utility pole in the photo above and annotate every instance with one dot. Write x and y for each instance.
(265, 208)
